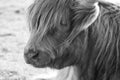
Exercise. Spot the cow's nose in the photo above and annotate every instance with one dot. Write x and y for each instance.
(37, 58)
(30, 53)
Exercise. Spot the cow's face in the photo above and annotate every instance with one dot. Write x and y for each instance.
(51, 26)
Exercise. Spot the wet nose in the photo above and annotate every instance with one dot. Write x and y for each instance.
(36, 57)
(30, 53)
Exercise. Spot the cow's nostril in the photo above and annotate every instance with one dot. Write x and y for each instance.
(33, 55)
(30, 53)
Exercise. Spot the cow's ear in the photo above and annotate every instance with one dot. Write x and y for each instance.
(87, 3)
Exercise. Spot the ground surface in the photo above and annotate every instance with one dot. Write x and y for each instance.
(13, 37)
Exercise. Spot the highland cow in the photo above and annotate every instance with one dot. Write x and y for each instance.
(80, 36)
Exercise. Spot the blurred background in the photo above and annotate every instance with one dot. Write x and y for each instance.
(13, 37)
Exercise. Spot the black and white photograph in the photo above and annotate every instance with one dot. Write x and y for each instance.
(59, 39)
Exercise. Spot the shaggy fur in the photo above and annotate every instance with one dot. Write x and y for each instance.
(65, 33)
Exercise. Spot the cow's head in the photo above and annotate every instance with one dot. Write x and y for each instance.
(58, 31)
